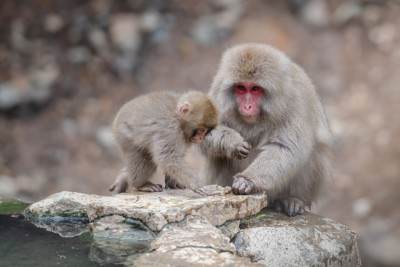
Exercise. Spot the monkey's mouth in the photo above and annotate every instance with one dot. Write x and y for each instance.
(197, 136)
(250, 118)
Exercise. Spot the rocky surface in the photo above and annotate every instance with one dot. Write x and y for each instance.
(193, 242)
(182, 228)
(173, 226)
(193, 232)
(192, 256)
(155, 210)
(274, 239)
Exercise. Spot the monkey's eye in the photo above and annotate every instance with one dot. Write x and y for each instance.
(256, 90)
(194, 132)
(241, 88)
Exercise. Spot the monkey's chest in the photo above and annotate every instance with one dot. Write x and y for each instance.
(240, 165)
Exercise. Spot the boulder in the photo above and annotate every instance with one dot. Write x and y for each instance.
(194, 242)
(273, 239)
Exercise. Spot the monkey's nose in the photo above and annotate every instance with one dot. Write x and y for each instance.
(247, 107)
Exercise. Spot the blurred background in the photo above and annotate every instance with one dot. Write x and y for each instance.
(67, 66)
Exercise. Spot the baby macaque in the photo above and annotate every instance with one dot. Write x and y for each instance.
(156, 130)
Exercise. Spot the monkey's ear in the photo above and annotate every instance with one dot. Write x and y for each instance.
(184, 108)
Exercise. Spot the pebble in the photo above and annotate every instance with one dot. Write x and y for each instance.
(53, 23)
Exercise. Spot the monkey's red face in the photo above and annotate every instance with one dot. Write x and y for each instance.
(248, 95)
(199, 135)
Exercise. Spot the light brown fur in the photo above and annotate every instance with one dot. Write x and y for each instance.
(290, 140)
(156, 130)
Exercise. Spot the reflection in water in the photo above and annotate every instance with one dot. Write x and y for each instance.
(64, 226)
(23, 244)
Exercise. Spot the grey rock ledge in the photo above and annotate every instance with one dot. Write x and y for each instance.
(182, 228)
(155, 210)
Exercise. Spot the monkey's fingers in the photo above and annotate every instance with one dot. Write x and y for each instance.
(174, 185)
(150, 187)
(242, 150)
(294, 208)
(245, 188)
(180, 186)
(291, 206)
(246, 145)
(241, 186)
(243, 153)
(118, 187)
(112, 187)
(158, 188)
(235, 187)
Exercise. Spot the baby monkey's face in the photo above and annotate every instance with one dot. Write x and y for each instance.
(199, 134)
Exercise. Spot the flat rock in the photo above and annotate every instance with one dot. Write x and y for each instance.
(273, 239)
(192, 232)
(153, 209)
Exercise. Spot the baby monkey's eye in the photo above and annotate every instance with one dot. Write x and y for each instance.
(194, 132)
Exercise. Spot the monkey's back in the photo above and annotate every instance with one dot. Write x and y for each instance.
(146, 117)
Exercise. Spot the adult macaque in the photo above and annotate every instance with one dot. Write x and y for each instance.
(156, 130)
(269, 102)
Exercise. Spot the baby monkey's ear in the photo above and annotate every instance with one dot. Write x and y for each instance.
(184, 108)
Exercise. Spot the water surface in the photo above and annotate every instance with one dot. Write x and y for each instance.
(24, 244)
